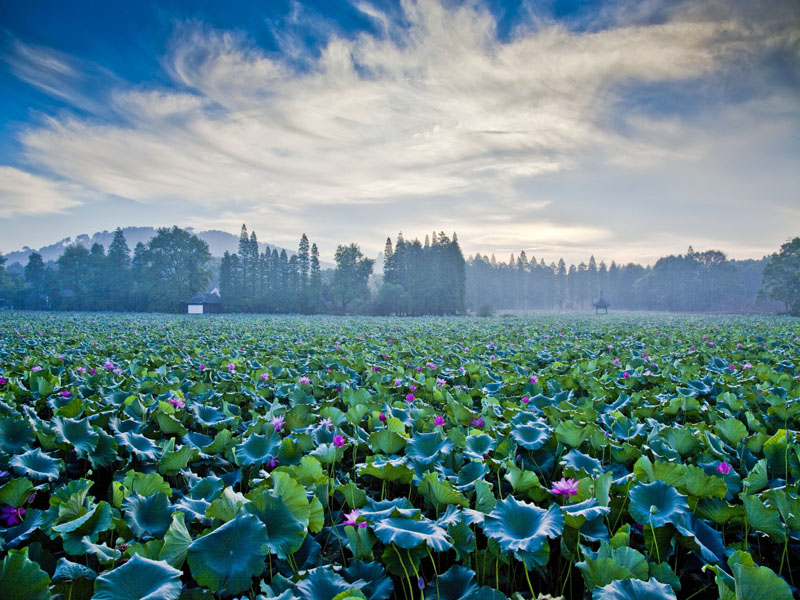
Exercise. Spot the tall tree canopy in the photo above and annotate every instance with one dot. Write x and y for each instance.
(781, 280)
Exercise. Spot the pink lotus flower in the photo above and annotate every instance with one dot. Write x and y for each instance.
(81, 370)
(625, 374)
(382, 418)
(724, 468)
(412, 387)
(12, 516)
(231, 367)
(746, 366)
(525, 399)
(339, 441)
(710, 344)
(398, 382)
(440, 382)
(36, 368)
(351, 519)
(439, 421)
(327, 423)
(304, 380)
(738, 346)
(92, 371)
(109, 366)
(419, 369)
(202, 367)
(534, 379)
(409, 397)
(264, 376)
(177, 402)
(3, 381)
(376, 368)
(565, 487)
(616, 361)
(431, 365)
(278, 422)
(118, 371)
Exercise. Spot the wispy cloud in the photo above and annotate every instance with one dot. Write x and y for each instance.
(22, 193)
(436, 107)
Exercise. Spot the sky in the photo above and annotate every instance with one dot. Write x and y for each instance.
(626, 130)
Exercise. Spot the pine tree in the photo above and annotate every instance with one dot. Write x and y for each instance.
(118, 269)
(244, 263)
(315, 281)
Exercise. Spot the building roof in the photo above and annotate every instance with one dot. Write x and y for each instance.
(601, 303)
(210, 298)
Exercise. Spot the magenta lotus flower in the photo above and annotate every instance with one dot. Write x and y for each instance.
(409, 397)
(264, 376)
(65, 394)
(108, 365)
(412, 387)
(479, 422)
(382, 418)
(36, 368)
(739, 346)
(565, 487)
(616, 361)
(81, 370)
(625, 374)
(710, 344)
(12, 516)
(724, 468)
(439, 421)
(273, 462)
(731, 368)
(339, 441)
(177, 402)
(278, 422)
(231, 367)
(304, 380)
(3, 381)
(376, 368)
(440, 382)
(525, 399)
(431, 365)
(351, 519)
(534, 379)
(92, 371)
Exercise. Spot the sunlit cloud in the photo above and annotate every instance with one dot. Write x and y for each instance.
(22, 193)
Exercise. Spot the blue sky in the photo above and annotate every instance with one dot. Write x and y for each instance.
(625, 129)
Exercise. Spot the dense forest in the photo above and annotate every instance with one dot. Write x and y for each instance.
(418, 278)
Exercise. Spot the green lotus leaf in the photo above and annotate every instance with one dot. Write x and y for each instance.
(172, 462)
(454, 584)
(440, 493)
(657, 504)
(138, 445)
(395, 470)
(22, 578)
(576, 515)
(147, 516)
(378, 585)
(69, 571)
(284, 532)
(37, 465)
(387, 441)
(105, 453)
(520, 526)
(210, 416)
(707, 539)
(87, 526)
(176, 542)
(16, 492)
(408, 534)
(602, 571)
(470, 473)
(323, 583)
(293, 495)
(383, 509)
(531, 436)
(428, 448)
(15, 434)
(139, 579)
(14, 536)
(634, 589)
(257, 449)
(576, 461)
(227, 559)
(78, 433)
(763, 518)
(227, 506)
(102, 552)
(476, 446)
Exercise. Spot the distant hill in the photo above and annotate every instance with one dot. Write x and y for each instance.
(218, 242)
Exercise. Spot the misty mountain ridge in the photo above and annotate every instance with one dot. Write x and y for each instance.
(218, 243)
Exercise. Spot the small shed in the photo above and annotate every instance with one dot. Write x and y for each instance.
(601, 304)
(202, 304)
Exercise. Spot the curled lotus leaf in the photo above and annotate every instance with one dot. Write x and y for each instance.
(139, 578)
(634, 589)
(657, 504)
(408, 534)
(520, 526)
(37, 465)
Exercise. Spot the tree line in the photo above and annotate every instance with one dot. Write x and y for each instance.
(692, 282)
(419, 278)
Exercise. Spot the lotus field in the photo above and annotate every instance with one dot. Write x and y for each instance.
(624, 457)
